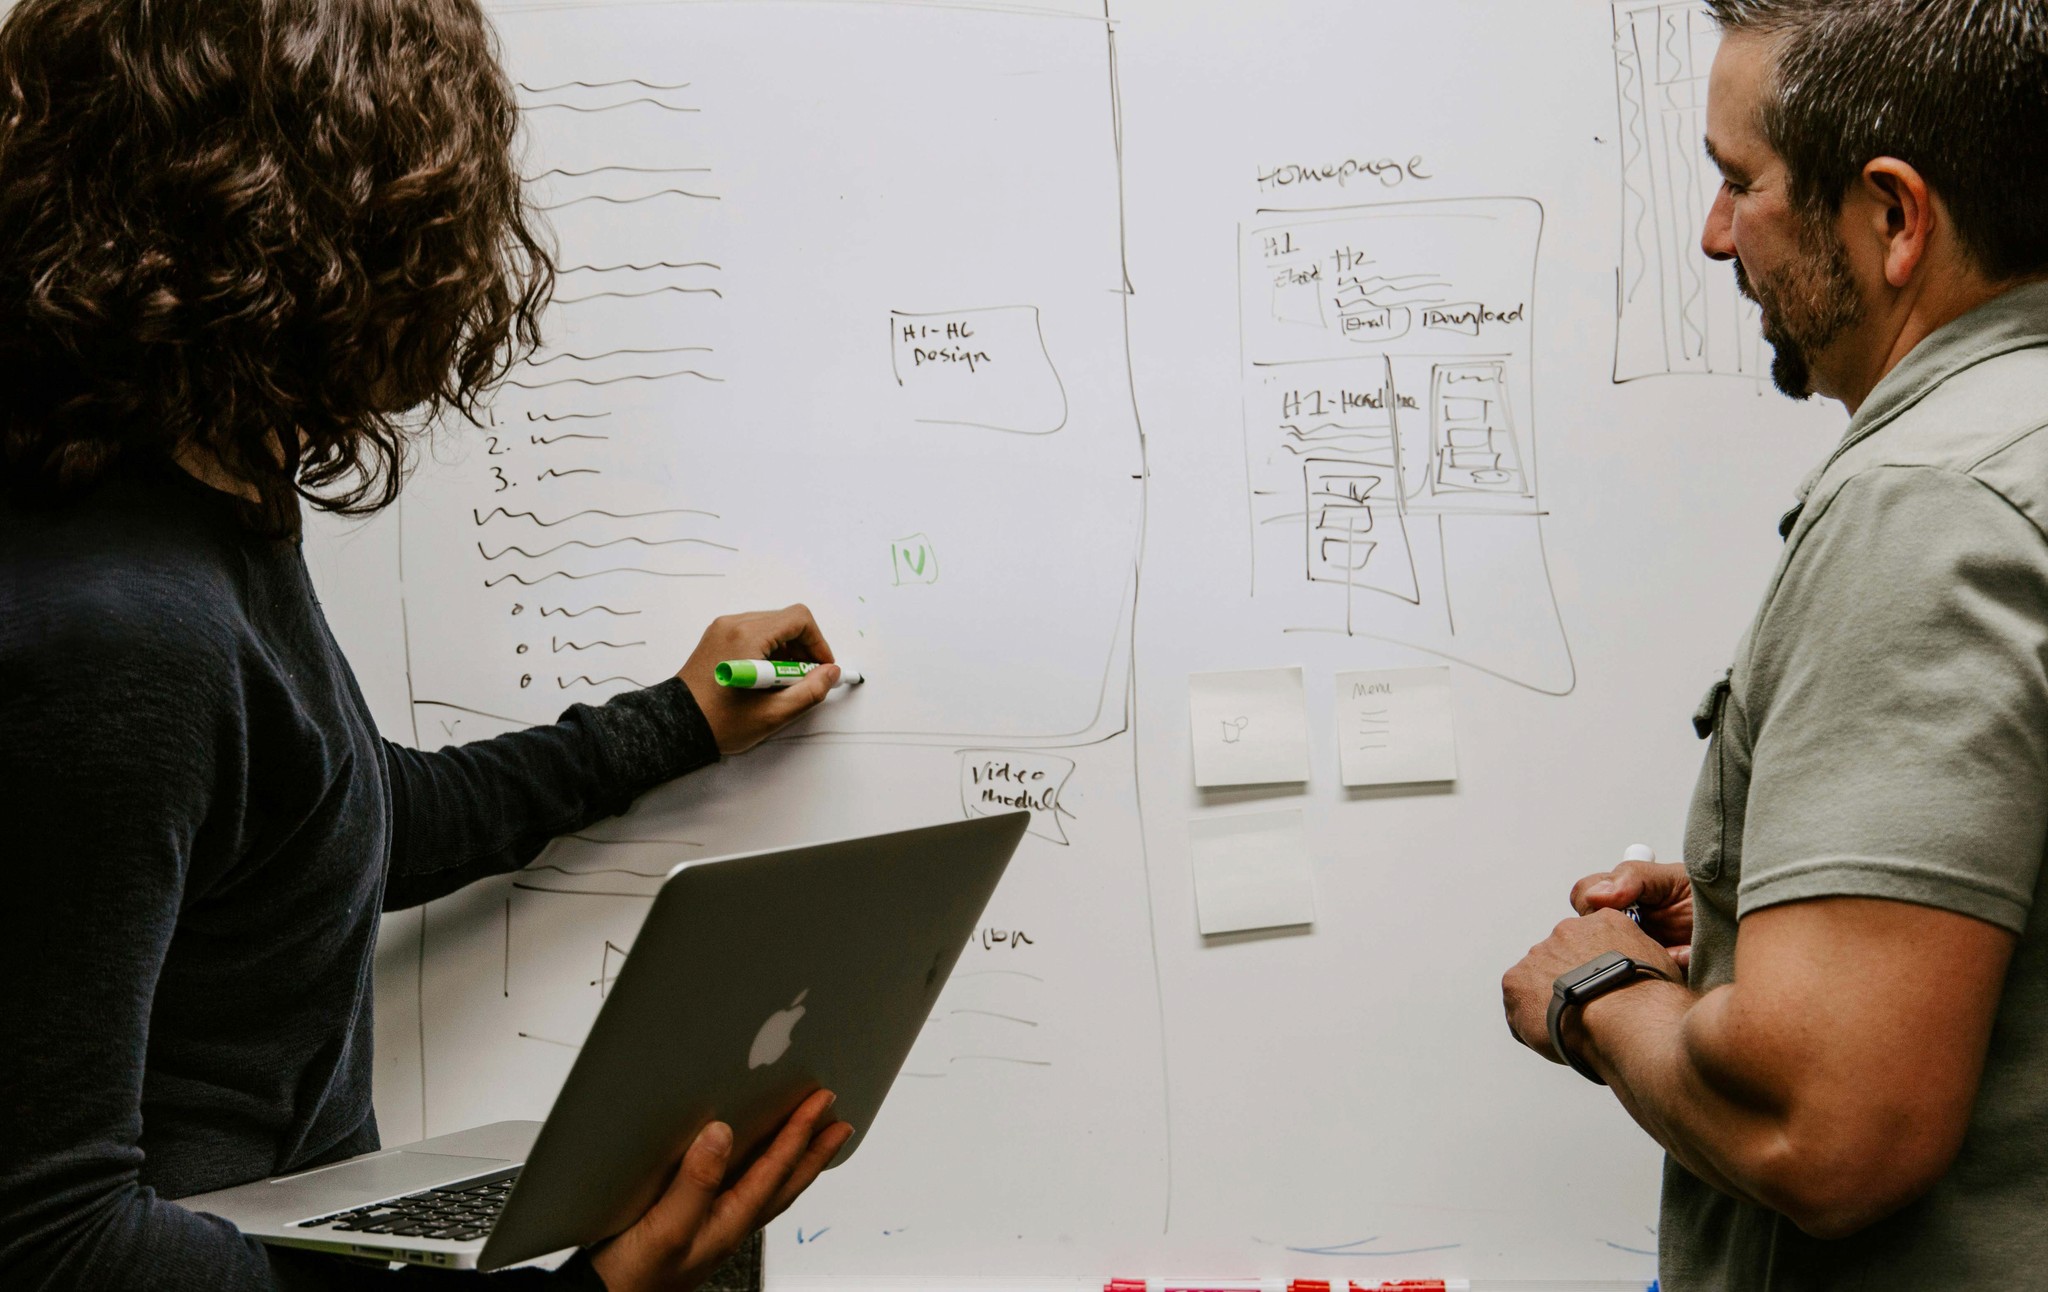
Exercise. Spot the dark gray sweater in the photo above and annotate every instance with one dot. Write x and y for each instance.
(198, 828)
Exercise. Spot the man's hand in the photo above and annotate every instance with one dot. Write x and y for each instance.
(1526, 989)
(697, 1224)
(1660, 891)
(742, 719)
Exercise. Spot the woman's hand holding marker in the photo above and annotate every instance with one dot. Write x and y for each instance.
(738, 720)
(773, 674)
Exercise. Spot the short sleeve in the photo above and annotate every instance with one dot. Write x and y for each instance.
(1899, 704)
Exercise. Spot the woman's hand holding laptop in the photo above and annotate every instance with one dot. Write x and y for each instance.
(699, 1223)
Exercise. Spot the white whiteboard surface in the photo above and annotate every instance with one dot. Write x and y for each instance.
(1053, 357)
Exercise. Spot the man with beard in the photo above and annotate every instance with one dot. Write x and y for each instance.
(1833, 1014)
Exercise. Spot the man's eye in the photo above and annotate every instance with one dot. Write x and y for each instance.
(1734, 189)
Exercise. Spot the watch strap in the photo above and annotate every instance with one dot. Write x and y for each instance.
(1606, 972)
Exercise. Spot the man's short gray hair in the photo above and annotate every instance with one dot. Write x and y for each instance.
(1956, 88)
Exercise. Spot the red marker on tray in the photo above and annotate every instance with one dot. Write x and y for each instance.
(1283, 1285)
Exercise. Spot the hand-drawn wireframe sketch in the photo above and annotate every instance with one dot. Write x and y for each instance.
(562, 954)
(1388, 433)
(713, 425)
(985, 368)
(610, 961)
(712, 422)
(1677, 312)
(995, 781)
(993, 1016)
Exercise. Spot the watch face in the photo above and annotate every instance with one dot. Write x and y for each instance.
(1600, 974)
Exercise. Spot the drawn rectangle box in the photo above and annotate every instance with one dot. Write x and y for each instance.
(1462, 318)
(985, 369)
(1356, 535)
(1377, 324)
(996, 781)
(1473, 430)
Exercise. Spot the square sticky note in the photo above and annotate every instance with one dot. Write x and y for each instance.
(1251, 872)
(1394, 726)
(1249, 727)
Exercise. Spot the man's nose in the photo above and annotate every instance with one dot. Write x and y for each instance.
(1717, 238)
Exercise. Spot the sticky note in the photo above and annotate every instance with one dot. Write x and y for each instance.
(1394, 726)
(1251, 872)
(1249, 728)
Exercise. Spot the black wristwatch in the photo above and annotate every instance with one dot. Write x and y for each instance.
(1598, 976)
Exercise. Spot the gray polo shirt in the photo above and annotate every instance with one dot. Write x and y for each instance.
(1884, 733)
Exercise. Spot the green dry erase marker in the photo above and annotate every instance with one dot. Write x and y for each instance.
(764, 674)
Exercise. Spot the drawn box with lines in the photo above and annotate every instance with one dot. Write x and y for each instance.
(1356, 536)
(1389, 428)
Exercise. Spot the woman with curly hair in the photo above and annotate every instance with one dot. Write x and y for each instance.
(249, 249)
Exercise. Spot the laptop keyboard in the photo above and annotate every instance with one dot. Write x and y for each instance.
(459, 1212)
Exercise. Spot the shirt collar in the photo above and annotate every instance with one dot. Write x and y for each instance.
(2013, 320)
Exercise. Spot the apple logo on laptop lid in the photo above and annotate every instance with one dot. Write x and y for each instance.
(774, 1038)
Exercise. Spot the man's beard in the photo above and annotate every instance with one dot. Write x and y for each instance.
(1806, 306)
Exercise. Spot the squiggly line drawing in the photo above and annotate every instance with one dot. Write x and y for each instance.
(525, 582)
(609, 107)
(629, 201)
(1394, 283)
(1351, 1249)
(606, 354)
(1624, 1247)
(601, 85)
(600, 870)
(1672, 30)
(1634, 140)
(588, 680)
(1341, 443)
(541, 363)
(989, 1013)
(630, 170)
(549, 611)
(634, 296)
(557, 645)
(612, 381)
(577, 542)
(572, 471)
(650, 265)
(566, 435)
(565, 417)
(508, 514)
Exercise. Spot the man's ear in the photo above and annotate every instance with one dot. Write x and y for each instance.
(1900, 211)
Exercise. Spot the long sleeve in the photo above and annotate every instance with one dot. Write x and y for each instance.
(108, 781)
(195, 841)
(490, 806)
(111, 777)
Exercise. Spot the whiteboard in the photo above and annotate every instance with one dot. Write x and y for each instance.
(1052, 354)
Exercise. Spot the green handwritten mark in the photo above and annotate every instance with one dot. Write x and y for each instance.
(913, 560)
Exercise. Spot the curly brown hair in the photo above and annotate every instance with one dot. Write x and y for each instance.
(282, 234)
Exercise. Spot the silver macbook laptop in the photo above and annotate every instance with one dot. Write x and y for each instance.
(755, 980)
